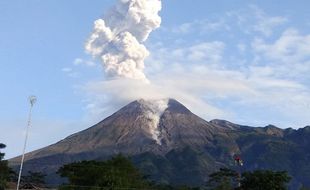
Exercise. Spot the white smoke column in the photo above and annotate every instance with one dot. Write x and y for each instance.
(154, 109)
(117, 38)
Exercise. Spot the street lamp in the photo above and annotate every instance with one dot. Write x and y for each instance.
(32, 101)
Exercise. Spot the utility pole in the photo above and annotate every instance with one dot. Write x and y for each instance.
(32, 101)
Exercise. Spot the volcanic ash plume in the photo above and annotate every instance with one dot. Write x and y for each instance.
(117, 38)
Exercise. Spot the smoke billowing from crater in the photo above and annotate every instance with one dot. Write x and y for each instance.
(117, 38)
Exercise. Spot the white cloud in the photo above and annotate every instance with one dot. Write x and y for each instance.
(201, 26)
(199, 87)
(66, 69)
(266, 24)
(70, 72)
(288, 56)
(290, 47)
(201, 53)
(80, 61)
(255, 20)
(241, 47)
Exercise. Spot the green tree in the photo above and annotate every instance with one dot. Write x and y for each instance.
(115, 173)
(225, 179)
(265, 179)
(4, 169)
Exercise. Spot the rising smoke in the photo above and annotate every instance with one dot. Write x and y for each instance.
(117, 38)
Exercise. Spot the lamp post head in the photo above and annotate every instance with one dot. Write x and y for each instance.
(32, 100)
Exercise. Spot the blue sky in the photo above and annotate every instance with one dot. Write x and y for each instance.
(244, 61)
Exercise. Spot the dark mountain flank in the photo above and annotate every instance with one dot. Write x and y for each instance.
(172, 145)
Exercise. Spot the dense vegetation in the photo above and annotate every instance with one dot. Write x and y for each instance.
(120, 173)
(223, 179)
(8, 175)
(116, 173)
(265, 179)
(4, 169)
(227, 179)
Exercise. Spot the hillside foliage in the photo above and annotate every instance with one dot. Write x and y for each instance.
(4, 169)
(119, 173)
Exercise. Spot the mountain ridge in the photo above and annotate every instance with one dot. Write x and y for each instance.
(164, 132)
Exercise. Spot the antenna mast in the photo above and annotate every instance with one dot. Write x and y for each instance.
(32, 101)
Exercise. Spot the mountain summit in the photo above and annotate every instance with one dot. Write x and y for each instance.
(173, 145)
(155, 126)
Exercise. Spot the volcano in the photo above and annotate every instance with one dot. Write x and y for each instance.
(172, 145)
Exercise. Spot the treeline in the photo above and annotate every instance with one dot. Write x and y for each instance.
(9, 175)
(4, 169)
(119, 173)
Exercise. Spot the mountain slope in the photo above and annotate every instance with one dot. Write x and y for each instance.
(136, 129)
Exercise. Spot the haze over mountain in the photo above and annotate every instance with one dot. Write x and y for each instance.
(173, 145)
